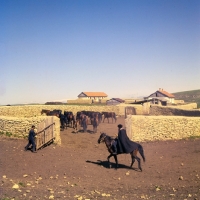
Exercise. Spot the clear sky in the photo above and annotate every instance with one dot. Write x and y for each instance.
(55, 49)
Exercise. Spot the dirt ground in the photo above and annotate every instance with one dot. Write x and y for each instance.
(78, 169)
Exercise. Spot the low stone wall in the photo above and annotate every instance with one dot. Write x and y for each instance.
(151, 128)
(182, 110)
(18, 120)
(35, 110)
(19, 127)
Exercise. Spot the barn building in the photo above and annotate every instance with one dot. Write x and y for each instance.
(95, 96)
(114, 101)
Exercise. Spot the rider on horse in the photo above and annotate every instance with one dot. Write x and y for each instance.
(122, 143)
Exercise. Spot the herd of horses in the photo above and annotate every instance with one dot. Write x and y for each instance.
(81, 118)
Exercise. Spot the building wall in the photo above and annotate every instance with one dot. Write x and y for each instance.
(84, 98)
(94, 98)
(151, 128)
(85, 101)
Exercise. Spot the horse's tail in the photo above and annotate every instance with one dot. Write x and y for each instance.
(141, 151)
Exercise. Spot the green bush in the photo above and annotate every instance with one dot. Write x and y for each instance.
(1, 133)
(8, 134)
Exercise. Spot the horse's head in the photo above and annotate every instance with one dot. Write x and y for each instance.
(102, 137)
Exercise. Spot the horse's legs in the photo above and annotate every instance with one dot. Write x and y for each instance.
(109, 160)
(133, 160)
(116, 161)
(139, 165)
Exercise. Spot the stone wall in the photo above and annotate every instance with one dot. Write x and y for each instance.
(182, 110)
(19, 127)
(151, 128)
(18, 120)
(35, 110)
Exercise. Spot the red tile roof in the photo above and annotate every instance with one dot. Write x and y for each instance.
(95, 94)
(166, 93)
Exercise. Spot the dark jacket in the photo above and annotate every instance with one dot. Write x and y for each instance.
(125, 145)
(31, 135)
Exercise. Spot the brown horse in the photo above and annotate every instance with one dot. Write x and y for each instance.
(109, 115)
(109, 140)
(45, 111)
(51, 113)
(70, 118)
(77, 125)
(95, 122)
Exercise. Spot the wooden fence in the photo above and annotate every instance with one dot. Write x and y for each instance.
(45, 133)
(129, 111)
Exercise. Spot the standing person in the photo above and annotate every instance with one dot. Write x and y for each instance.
(31, 140)
(125, 145)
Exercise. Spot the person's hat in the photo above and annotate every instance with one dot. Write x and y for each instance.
(119, 126)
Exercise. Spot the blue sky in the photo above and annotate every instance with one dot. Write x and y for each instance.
(56, 49)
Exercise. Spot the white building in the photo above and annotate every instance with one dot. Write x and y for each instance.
(95, 96)
(162, 96)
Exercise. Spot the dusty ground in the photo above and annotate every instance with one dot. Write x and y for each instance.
(78, 170)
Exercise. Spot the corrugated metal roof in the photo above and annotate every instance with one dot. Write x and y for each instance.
(119, 100)
(95, 94)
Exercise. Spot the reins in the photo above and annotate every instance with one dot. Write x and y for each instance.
(109, 147)
(102, 139)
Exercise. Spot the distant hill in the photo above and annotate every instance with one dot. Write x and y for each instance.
(189, 96)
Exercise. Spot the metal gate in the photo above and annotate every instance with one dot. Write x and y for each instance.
(45, 133)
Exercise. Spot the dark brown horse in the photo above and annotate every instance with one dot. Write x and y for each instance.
(45, 111)
(51, 113)
(109, 140)
(70, 118)
(109, 115)
(95, 122)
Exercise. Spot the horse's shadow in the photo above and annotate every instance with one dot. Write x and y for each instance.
(113, 165)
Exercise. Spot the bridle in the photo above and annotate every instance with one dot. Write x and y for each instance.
(102, 139)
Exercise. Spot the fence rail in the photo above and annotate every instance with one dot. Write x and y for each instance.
(45, 133)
